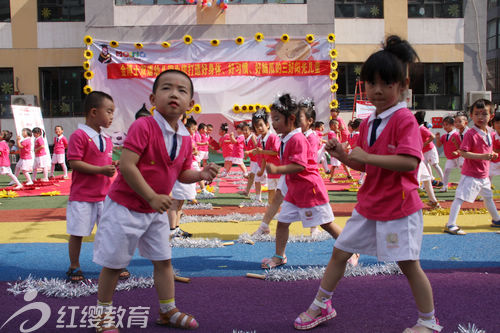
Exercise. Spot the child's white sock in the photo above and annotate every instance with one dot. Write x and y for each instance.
(167, 305)
(264, 225)
(321, 298)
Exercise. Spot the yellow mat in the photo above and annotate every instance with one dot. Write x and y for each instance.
(55, 231)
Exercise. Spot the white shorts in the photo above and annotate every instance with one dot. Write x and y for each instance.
(282, 185)
(423, 173)
(182, 191)
(25, 165)
(81, 217)
(321, 154)
(237, 160)
(5, 170)
(272, 183)
(41, 162)
(469, 188)
(494, 169)
(310, 217)
(461, 162)
(453, 164)
(432, 156)
(254, 167)
(202, 155)
(58, 158)
(334, 162)
(121, 231)
(395, 240)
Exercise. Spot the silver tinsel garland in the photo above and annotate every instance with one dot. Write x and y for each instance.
(233, 217)
(322, 236)
(471, 328)
(196, 242)
(253, 203)
(200, 205)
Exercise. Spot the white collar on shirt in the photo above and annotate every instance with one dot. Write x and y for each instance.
(292, 133)
(450, 133)
(387, 113)
(89, 130)
(483, 134)
(308, 132)
(166, 128)
(267, 136)
(249, 138)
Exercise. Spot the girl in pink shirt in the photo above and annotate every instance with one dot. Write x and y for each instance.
(431, 157)
(202, 141)
(25, 163)
(59, 155)
(477, 151)
(387, 221)
(450, 143)
(238, 152)
(226, 146)
(250, 143)
(495, 164)
(41, 156)
(353, 127)
(305, 195)
(5, 158)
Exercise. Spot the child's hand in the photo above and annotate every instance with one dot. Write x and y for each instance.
(210, 171)
(331, 145)
(108, 170)
(271, 168)
(455, 153)
(493, 156)
(358, 155)
(260, 173)
(160, 202)
(258, 150)
(438, 135)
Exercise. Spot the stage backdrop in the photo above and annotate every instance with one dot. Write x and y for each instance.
(225, 73)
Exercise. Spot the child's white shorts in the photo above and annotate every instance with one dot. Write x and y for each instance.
(254, 167)
(310, 217)
(5, 170)
(202, 155)
(334, 162)
(182, 191)
(41, 162)
(237, 160)
(121, 231)
(423, 173)
(494, 169)
(432, 156)
(58, 158)
(81, 217)
(25, 165)
(453, 164)
(469, 188)
(282, 185)
(272, 183)
(461, 161)
(260, 179)
(395, 240)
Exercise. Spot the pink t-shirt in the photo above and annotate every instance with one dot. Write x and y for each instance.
(60, 144)
(226, 146)
(201, 138)
(4, 154)
(239, 147)
(250, 145)
(84, 186)
(389, 195)
(353, 139)
(40, 142)
(271, 142)
(426, 134)
(319, 134)
(496, 146)
(332, 135)
(451, 143)
(344, 132)
(305, 189)
(145, 138)
(313, 140)
(476, 141)
(25, 151)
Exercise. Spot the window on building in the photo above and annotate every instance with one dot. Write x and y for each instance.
(61, 10)
(493, 36)
(492, 3)
(185, 2)
(6, 90)
(4, 10)
(61, 91)
(348, 76)
(436, 86)
(435, 8)
(359, 8)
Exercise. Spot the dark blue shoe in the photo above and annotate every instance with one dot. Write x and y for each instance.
(495, 224)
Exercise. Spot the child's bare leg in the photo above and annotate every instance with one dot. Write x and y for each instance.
(332, 173)
(251, 177)
(52, 168)
(282, 232)
(28, 177)
(258, 191)
(74, 247)
(430, 191)
(332, 228)
(243, 168)
(45, 174)
(271, 211)
(270, 196)
(227, 166)
(172, 214)
(108, 280)
(347, 171)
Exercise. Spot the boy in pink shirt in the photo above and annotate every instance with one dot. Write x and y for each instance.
(238, 152)
(5, 159)
(25, 163)
(89, 155)
(59, 154)
(477, 151)
(156, 153)
(450, 143)
(41, 154)
(202, 140)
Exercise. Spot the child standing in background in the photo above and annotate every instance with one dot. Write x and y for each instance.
(239, 148)
(461, 122)
(387, 221)
(334, 133)
(59, 156)
(250, 144)
(41, 155)
(477, 151)
(352, 142)
(5, 159)
(226, 146)
(25, 163)
(89, 156)
(495, 163)
(202, 141)
(431, 156)
(319, 127)
(451, 144)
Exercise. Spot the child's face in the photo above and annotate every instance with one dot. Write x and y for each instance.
(192, 129)
(280, 124)
(103, 115)
(460, 122)
(172, 97)
(24, 133)
(58, 130)
(261, 128)
(383, 95)
(36, 135)
(209, 130)
(349, 128)
(202, 130)
(304, 123)
(239, 131)
(334, 126)
(480, 117)
(448, 127)
(321, 128)
(246, 131)
(222, 132)
(334, 114)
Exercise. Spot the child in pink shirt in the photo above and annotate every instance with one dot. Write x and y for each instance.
(305, 195)
(25, 163)
(238, 152)
(250, 143)
(387, 221)
(431, 157)
(202, 140)
(5, 159)
(59, 155)
(226, 146)
(270, 143)
(156, 153)
(495, 163)
(336, 134)
(343, 130)
(352, 139)
(477, 151)
(41, 155)
(450, 143)
(89, 156)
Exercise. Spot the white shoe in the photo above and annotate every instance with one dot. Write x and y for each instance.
(11, 183)
(18, 187)
(29, 183)
(443, 189)
(223, 174)
(261, 231)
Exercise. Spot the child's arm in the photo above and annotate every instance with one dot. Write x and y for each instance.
(284, 169)
(476, 156)
(193, 176)
(429, 140)
(262, 168)
(134, 178)
(267, 152)
(84, 167)
(37, 149)
(19, 145)
(232, 139)
(438, 140)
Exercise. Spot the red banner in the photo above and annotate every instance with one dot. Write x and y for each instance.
(221, 69)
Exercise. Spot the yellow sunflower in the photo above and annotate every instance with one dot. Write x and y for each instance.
(87, 89)
(86, 65)
(259, 37)
(114, 43)
(188, 39)
(165, 45)
(197, 108)
(331, 38)
(244, 108)
(239, 40)
(334, 75)
(334, 88)
(87, 40)
(333, 53)
(138, 46)
(334, 104)
(334, 64)
(214, 42)
(285, 38)
(236, 108)
(88, 75)
(310, 38)
(88, 54)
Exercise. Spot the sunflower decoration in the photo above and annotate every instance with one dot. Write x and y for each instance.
(87, 89)
(333, 53)
(165, 44)
(188, 39)
(331, 38)
(285, 38)
(87, 40)
(257, 107)
(334, 75)
(334, 88)
(7, 88)
(88, 75)
(138, 46)
(88, 54)
(334, 104)
(334, 65)
(114, 43)
(251, 108)
(259, 37)
(197, 108)
(310, 38)
(244, 108)
(214, 42)
(236, 108)
(86, 65)
(266, 108)
(239, 40)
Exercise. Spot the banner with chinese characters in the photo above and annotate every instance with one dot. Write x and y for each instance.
(30, 117)
(225, 73)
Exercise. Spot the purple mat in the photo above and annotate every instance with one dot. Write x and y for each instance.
(239, 304)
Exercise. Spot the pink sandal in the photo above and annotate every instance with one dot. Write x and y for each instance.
(327, 312)
(268, 263)
(428, 324)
